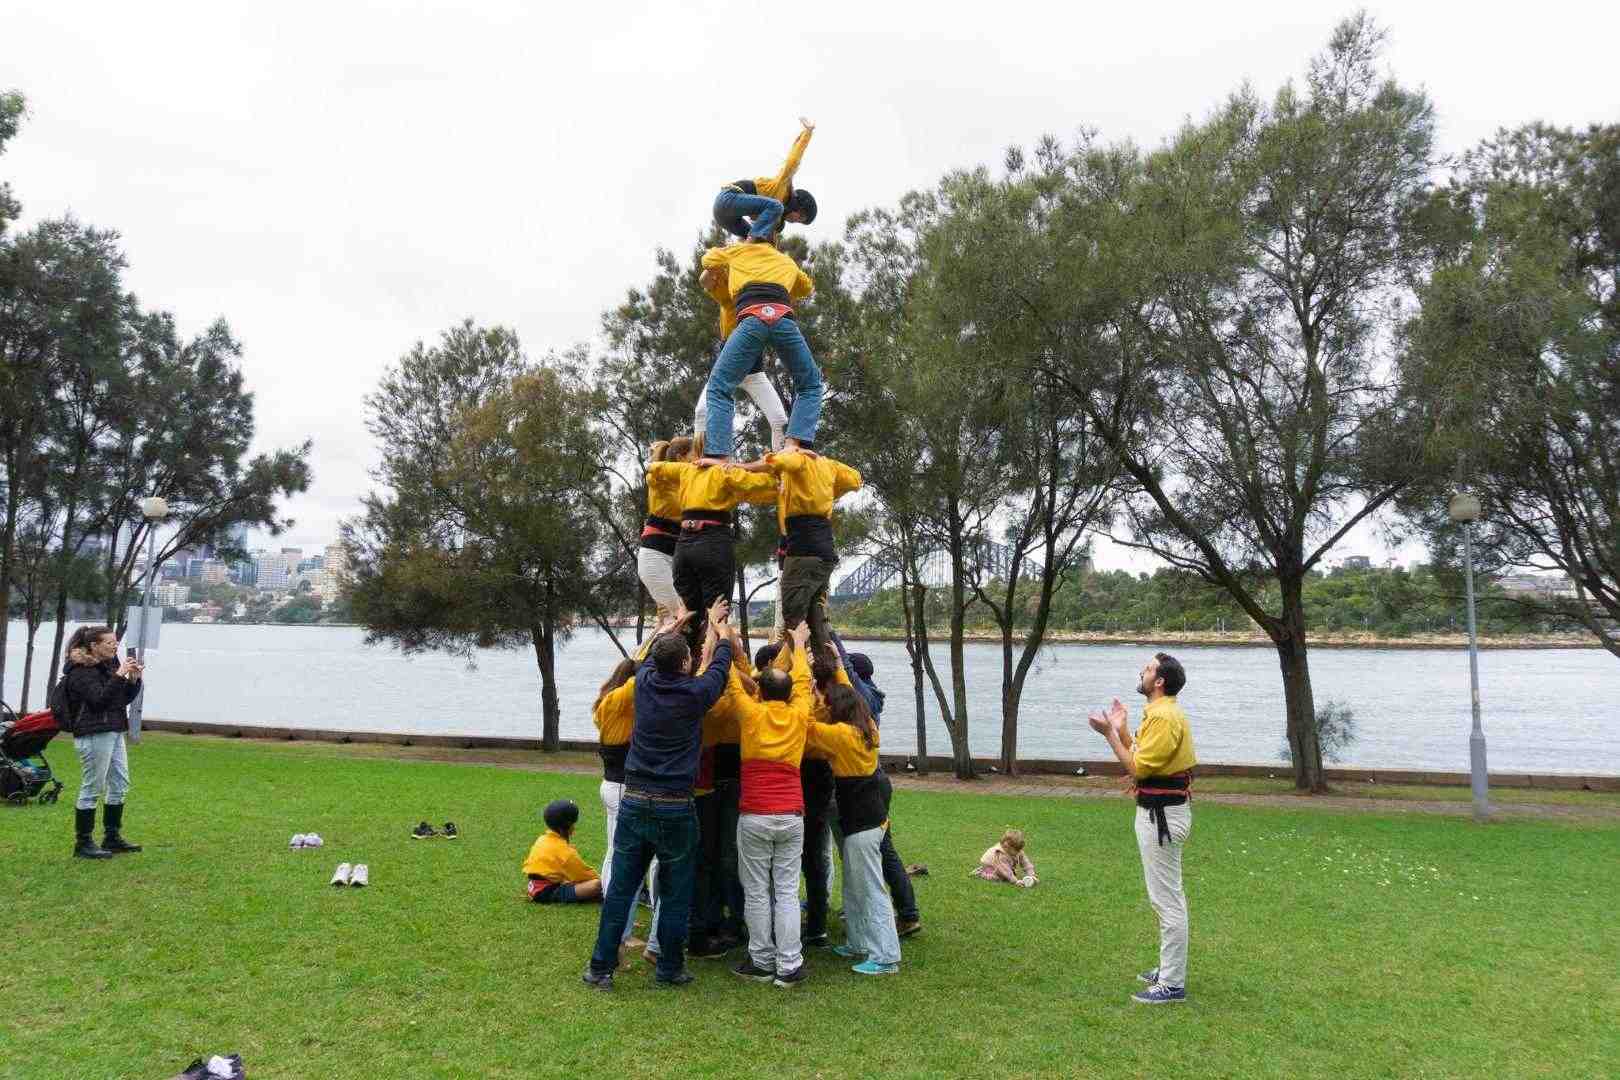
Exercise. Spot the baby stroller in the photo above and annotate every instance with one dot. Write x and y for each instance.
(24, 772)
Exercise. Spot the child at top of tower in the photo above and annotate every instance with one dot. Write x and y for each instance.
(754, 209)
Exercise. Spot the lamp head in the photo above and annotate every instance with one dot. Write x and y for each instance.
(154, 508)
(1464, 507)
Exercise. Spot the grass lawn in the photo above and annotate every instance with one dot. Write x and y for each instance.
(1323, 944)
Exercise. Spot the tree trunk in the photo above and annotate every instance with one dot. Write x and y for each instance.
(112, 577)
(1009, 700)
(961, 754)
(1301, 708)
(545, 655)
(912, 625)
(8, 550)
(28, 666)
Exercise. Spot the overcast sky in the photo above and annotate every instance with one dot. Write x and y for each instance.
(339, 180)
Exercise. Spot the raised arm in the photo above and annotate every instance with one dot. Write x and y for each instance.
(779, 184)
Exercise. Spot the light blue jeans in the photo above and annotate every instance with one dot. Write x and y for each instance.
(770, 848)
(104, 762)
(868, 914)
(731, 207)
(743, 349)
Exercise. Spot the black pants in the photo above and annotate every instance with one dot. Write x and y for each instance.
(816, 780)
(804, 594)
(728, 793)
(894, 871)
(705, 570)
(708, 887)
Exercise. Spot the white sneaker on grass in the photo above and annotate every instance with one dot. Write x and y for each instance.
(297, 841)
(341, 877)
(361, 875)
(314, 840)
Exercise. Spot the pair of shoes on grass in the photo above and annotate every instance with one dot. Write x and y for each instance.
(784, 979)
(358, 875)
(424, 831)
(1157, 993)
(303, 840)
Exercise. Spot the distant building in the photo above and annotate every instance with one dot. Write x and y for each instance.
(212, 572)
(171, 595)
(1540, 586)
(271, 572)
(1355, 562)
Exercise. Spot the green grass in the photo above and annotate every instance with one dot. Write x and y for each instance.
(1323, 943)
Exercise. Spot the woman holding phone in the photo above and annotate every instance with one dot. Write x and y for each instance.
(98, 688)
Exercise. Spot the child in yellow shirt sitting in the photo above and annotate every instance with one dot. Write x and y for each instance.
(557, 875)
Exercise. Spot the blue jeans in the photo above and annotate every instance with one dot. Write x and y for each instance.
(743, 348)
(104, 768)
(645, 829)
(731, 207)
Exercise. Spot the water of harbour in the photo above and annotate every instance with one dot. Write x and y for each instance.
(1549, 710)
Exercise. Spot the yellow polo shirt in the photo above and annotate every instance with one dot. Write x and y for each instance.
(1164, 744)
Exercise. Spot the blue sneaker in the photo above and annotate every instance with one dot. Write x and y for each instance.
(872, 967)
(1160, 994)
(1149, 977)
(847, 952)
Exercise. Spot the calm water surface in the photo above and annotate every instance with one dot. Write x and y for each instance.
(1549, 710)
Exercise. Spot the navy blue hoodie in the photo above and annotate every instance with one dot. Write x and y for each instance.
(669, 723)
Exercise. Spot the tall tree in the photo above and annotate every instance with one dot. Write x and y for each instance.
(59, 286)
(1246, 274)
(1518, 344)
(484, 539)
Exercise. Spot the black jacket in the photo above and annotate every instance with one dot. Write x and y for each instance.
(97, 696)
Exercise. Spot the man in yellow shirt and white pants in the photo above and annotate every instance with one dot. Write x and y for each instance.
(1160, 761)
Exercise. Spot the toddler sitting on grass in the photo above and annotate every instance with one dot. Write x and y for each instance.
(1007, 861)
(557, 875)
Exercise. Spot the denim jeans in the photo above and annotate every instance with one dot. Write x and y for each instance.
(104, 763)
(611, 792)
(730, 207)
(769, 849)
(743, 348)
(645, 829)
(868, 915)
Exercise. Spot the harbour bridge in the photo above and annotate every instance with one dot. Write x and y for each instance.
(880, 571)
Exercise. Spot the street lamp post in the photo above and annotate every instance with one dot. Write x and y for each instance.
(154, 510)
(1465, 509)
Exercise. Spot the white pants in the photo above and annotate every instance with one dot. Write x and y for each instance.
(764, 395)
(1161, 869)
(657, 572)
(611, 792)
(868, 911)
(104, 764)
(770, 848)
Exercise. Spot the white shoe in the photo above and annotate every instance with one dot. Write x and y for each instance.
(342, 875)
(314, 840)
(361, 875)
(297, 841)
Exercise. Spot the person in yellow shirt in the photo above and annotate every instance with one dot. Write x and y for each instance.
(850, 742)
(768, 200)
(655, 561)
(809, 484)
(758, 284)
(557, 875)
(704, 565)
(1160, 761)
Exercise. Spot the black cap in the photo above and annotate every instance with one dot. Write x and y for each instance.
(862, 665)
(561, 814)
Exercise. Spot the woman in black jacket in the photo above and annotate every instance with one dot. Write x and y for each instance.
(98, 688)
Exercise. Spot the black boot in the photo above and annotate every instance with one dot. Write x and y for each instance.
(84, 844)
(112, 820)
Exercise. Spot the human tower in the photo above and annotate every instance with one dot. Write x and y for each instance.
(729, 775)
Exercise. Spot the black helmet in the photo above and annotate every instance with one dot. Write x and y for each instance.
(561, 814)
(804, 202)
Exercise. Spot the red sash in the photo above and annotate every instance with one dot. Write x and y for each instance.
(768, 313)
